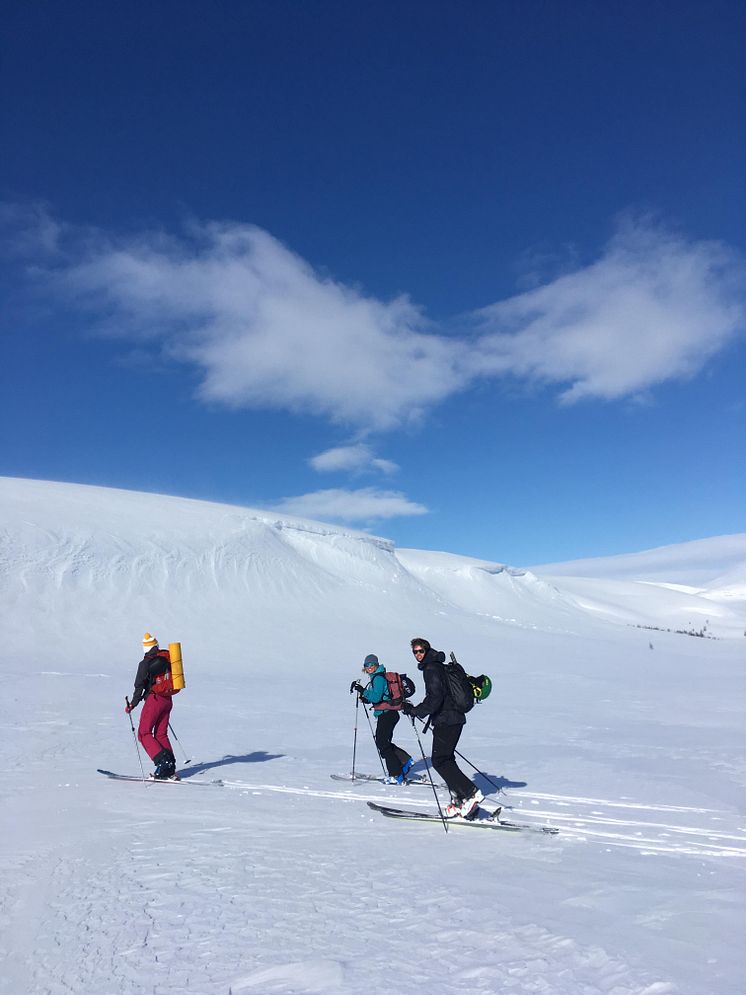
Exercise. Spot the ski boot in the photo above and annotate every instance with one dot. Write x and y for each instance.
(165, 766)
(470, 805)
(406, 768)
(464, 808)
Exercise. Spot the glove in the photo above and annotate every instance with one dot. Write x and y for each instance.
(407, 708)
(357, 687)
(128, 709)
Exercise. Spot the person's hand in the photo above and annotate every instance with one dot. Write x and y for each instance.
(357, 687)
(128, 708)
(407, 708)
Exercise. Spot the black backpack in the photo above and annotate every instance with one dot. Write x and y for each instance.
(459, 686)
(463, 689)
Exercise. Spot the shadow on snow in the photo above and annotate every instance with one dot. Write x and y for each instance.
(257, 757)
(488, 784)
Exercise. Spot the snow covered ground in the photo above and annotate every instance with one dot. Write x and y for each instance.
(630, 740)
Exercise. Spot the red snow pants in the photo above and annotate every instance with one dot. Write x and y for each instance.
(153, 729)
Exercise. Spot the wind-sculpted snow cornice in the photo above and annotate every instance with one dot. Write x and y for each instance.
(319, 529)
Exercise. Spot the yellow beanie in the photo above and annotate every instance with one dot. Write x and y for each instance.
(148, 642)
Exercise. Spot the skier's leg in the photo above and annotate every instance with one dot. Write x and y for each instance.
(148, 718)
(401, 755)
(445, 740)
(160, 726)
(165, 761)
(384, 729)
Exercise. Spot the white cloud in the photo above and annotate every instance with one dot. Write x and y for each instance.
(267, 331)
(355, 458)
(338, 505)
(653, 308)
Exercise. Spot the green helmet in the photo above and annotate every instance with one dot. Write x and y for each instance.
(482, 687)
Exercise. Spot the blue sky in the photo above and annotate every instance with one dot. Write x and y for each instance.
(469, 275)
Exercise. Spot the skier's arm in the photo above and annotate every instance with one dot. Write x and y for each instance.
(375, 692)
(434, 694)
(141, 683)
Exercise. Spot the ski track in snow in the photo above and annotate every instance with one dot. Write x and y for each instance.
(718, 834)
(607, 829)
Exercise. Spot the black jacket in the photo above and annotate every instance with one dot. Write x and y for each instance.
(150, 665)
(437, 702)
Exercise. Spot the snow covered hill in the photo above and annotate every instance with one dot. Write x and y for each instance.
(544, 597)
(697, 564)
(72, 552)
(628, 740)
(714, 567)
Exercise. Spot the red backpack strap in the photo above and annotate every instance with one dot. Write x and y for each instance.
(395, 690)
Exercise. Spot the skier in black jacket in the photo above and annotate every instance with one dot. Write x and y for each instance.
(448, 724)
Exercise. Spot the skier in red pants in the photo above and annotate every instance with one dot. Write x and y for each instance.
(153, 728)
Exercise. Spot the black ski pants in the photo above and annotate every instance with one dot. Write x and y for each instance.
(445, 741)
(393, 756)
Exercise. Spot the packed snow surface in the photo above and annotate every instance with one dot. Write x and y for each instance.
(604, 722)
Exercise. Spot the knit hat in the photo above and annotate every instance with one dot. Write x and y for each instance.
(148, 642)
(371, 660)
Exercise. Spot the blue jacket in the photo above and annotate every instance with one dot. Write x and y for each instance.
(378, 690)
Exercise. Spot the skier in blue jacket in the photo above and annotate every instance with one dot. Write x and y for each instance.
(398, 761)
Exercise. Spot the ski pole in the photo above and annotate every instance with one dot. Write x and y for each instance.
(129, 716)
(187, 760)
(430, 776)
(380, 758)
(480, 772)
(354, 738)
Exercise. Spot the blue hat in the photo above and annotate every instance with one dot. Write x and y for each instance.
(371, 660)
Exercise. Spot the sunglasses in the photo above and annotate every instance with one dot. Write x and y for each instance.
(418, 651)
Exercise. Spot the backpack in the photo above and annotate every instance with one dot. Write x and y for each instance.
(463, 689)
(400, 687)
(161, 681)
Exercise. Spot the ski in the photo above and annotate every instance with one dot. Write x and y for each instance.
(152, 780)
(483, 820)
(379, 779)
